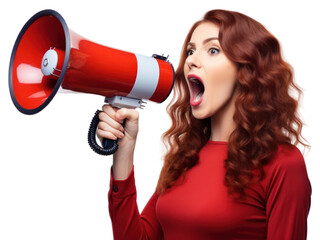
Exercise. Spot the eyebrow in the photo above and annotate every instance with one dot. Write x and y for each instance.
(204, 41)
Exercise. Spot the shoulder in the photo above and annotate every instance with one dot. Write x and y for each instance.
(287, 157)
(286, 168)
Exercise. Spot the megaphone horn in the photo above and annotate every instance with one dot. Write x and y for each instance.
(48, 55)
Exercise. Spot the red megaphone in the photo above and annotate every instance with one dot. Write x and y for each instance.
(47, 55)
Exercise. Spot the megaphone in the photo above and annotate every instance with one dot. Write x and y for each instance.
(47, 56)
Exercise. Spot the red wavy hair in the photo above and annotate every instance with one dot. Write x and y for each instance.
(266, 115)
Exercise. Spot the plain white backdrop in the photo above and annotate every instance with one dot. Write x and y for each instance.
(52, 185)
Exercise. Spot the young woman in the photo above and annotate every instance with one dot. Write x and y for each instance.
(231, 171)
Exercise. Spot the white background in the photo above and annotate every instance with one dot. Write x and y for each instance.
(52, 186)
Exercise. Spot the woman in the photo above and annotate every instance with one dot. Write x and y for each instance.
(231, 171)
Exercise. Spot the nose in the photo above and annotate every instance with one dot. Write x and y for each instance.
(193, 61)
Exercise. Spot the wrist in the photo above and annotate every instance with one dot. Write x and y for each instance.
(123, 160)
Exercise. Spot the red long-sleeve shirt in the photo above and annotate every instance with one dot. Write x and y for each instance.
(200, 207)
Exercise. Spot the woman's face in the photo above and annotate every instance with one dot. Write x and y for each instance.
(210, 75)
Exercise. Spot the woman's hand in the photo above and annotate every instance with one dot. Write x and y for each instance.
(111, 127)
(111, 124)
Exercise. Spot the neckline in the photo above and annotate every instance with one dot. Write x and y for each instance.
(218, 142)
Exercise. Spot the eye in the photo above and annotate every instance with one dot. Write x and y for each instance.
(214, 51)
(190, 52)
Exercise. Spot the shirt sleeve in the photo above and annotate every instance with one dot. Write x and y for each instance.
(288, 198)
(127, 223)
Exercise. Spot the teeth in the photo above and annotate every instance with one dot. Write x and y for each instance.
(198, 97)
(195, 80)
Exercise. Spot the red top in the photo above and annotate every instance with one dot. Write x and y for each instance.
(200, 207)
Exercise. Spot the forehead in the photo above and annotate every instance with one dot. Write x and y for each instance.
(205, 30)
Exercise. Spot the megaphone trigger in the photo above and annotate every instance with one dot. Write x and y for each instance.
(124, 102)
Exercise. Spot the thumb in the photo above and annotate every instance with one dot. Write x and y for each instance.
(131, 115)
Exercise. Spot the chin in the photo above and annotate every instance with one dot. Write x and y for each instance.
(200, 114)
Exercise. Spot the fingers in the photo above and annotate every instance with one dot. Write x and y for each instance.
(106, 131)
(111, 123)
(105, 118)
(108, 127)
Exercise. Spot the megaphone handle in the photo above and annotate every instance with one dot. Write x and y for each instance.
(109, 146)
(109, 143)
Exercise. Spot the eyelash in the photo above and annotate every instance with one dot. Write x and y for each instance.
(216, 49)
(190, 51)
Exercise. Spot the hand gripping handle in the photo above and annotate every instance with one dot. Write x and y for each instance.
(109, 146)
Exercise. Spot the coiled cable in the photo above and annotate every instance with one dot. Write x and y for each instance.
(109, 146)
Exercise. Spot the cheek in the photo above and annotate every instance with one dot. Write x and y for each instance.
(222, 81)
(222, 73)
(218, 95)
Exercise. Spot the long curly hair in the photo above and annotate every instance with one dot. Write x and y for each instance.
(265, 114)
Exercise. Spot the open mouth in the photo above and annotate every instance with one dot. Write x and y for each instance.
(196, 90)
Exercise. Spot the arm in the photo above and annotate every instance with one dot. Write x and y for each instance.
(126, 220)
(111, 127)
(289, 198)
(127, 223)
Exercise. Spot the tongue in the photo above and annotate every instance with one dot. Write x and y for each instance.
(197, 98)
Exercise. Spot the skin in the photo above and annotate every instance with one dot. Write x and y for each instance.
(110, 126)
(218, 74)
(207, 61)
